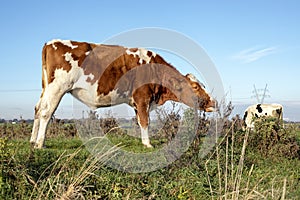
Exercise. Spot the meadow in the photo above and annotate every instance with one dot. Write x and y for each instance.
(259, 164)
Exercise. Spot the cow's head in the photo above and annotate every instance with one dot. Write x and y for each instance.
(191, 92)
(204, 100)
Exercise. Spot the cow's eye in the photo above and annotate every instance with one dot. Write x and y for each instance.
(196, 87)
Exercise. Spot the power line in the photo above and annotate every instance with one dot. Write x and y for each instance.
(17, 90)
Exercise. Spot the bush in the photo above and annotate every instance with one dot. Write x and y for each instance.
(58, 127)
(171, 123)
(109, 124)
(270, 138)
(19, 130)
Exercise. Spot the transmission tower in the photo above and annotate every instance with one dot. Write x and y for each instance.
(260, 94)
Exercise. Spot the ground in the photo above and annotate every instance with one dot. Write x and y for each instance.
(65, 169)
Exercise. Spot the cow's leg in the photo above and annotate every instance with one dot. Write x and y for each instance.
(47, 107)
(36, 123)
(142, 114)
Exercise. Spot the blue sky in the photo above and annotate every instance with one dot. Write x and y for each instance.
(251, 42)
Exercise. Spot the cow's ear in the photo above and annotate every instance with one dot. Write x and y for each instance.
(175, 84)
(191, 77)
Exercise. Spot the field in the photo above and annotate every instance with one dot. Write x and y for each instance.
(261, 164)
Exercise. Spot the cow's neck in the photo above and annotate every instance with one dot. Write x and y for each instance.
(167, 95)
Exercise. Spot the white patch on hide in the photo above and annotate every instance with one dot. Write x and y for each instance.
(141, 53)
(64, 42)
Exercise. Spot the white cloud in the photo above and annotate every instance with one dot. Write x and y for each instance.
(253, 54)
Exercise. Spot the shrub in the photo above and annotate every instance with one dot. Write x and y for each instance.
(171, 123)
(270, 138)
(58, 127)
(108, 124)
(18, 130)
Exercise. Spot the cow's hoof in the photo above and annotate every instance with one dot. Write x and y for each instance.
(32, 144)
(148, 145)
(37, 146)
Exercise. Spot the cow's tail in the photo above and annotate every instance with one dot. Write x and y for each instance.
(244, 124)
(245, 115)
(281, 113)
(44, 69)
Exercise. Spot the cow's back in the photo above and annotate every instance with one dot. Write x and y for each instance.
(259, 110)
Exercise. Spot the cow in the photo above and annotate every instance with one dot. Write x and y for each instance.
(259, 110)
(101, 75)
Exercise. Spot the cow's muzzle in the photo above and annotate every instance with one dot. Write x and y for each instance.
(212, 106)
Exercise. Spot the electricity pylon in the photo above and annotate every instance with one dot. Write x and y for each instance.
(260, 94)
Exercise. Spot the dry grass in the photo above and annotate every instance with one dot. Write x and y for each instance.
(64, 183)
(234, 179)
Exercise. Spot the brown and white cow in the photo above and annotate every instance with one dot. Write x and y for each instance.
(105, 75)
(259, 110)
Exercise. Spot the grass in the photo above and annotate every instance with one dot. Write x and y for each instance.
(66, 170)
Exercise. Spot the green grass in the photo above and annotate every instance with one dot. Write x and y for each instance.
(133, 144)
(65, 169)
